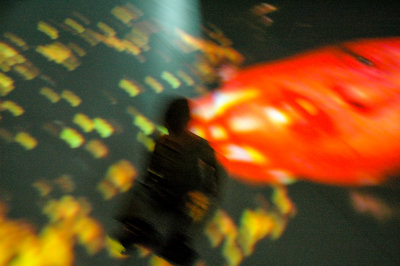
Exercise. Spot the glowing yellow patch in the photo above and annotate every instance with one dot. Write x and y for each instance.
(146, 141)
(84, 122)
(97, 148)
(115, 248)
(50, 94)
(197, 205)
(71, 98)
(126, 13)
(129, 87)
(74, 25)
(72, 137)
(154, 84)
(6, 84)
(119, 178)
(16, 40)
(218, 133)
(12, 107)
(27, 70)
(281, 199)
(106, 29)
(131, 48)
(48, 30)
(171, 79)
(245, 154)
(244, 124)
(26, 140)
(56, 51)
(144, 124)
(90, 234)
(255, 225)
(102, 127)
(186, 78)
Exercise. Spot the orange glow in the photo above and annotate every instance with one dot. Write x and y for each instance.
(330, 116)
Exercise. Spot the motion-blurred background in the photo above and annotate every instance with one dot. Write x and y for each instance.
(82, 88)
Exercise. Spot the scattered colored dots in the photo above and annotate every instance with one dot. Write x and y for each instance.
(26, 140)
(72, 137)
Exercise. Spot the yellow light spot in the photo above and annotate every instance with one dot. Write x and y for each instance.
(27, 70)
(50, 94)
(119, 178)
(154, 84)
(197, 205)
(26, 140)
(244, 124)
(6, 84)
(43, 186)
(129, 87)
(91, 37)
(218, 133)
(126, 13)
(12, 107)
(115, 248)
(90, 234)
(72, 137)
(59, 53)
(103, 127)
(309, 107)
(48, 30)
(106, 29)
(71, 98)
(186, 78)
(84, 122)
(131, 48)
(245, 154)
(144, 124)
(277, 116)
(16, 40)
(171, 79)
(74, 25)
(146, 141)
(281, 199)
(97, 148)
(255, 225)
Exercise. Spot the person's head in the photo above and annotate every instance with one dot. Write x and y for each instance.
(177, 115)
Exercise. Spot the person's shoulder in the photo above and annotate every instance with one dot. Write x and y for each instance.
(199, 140)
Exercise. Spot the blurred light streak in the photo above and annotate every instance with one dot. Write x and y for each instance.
(50, 94)
(72, 137)
(154, 84)
(97, 148)
(12, 107)
(6, 84)
(129, 87)
(84, 122)
(73, 99)
(16, 40)
(48, 30)
(103, 127)
(26, 140)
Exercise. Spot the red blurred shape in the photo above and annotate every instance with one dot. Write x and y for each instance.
(331, 115)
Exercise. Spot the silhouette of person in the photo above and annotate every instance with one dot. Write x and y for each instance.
(183, 184)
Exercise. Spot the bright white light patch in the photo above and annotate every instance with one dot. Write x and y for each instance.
(244, 154)
(276, 116)
(244, 124)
